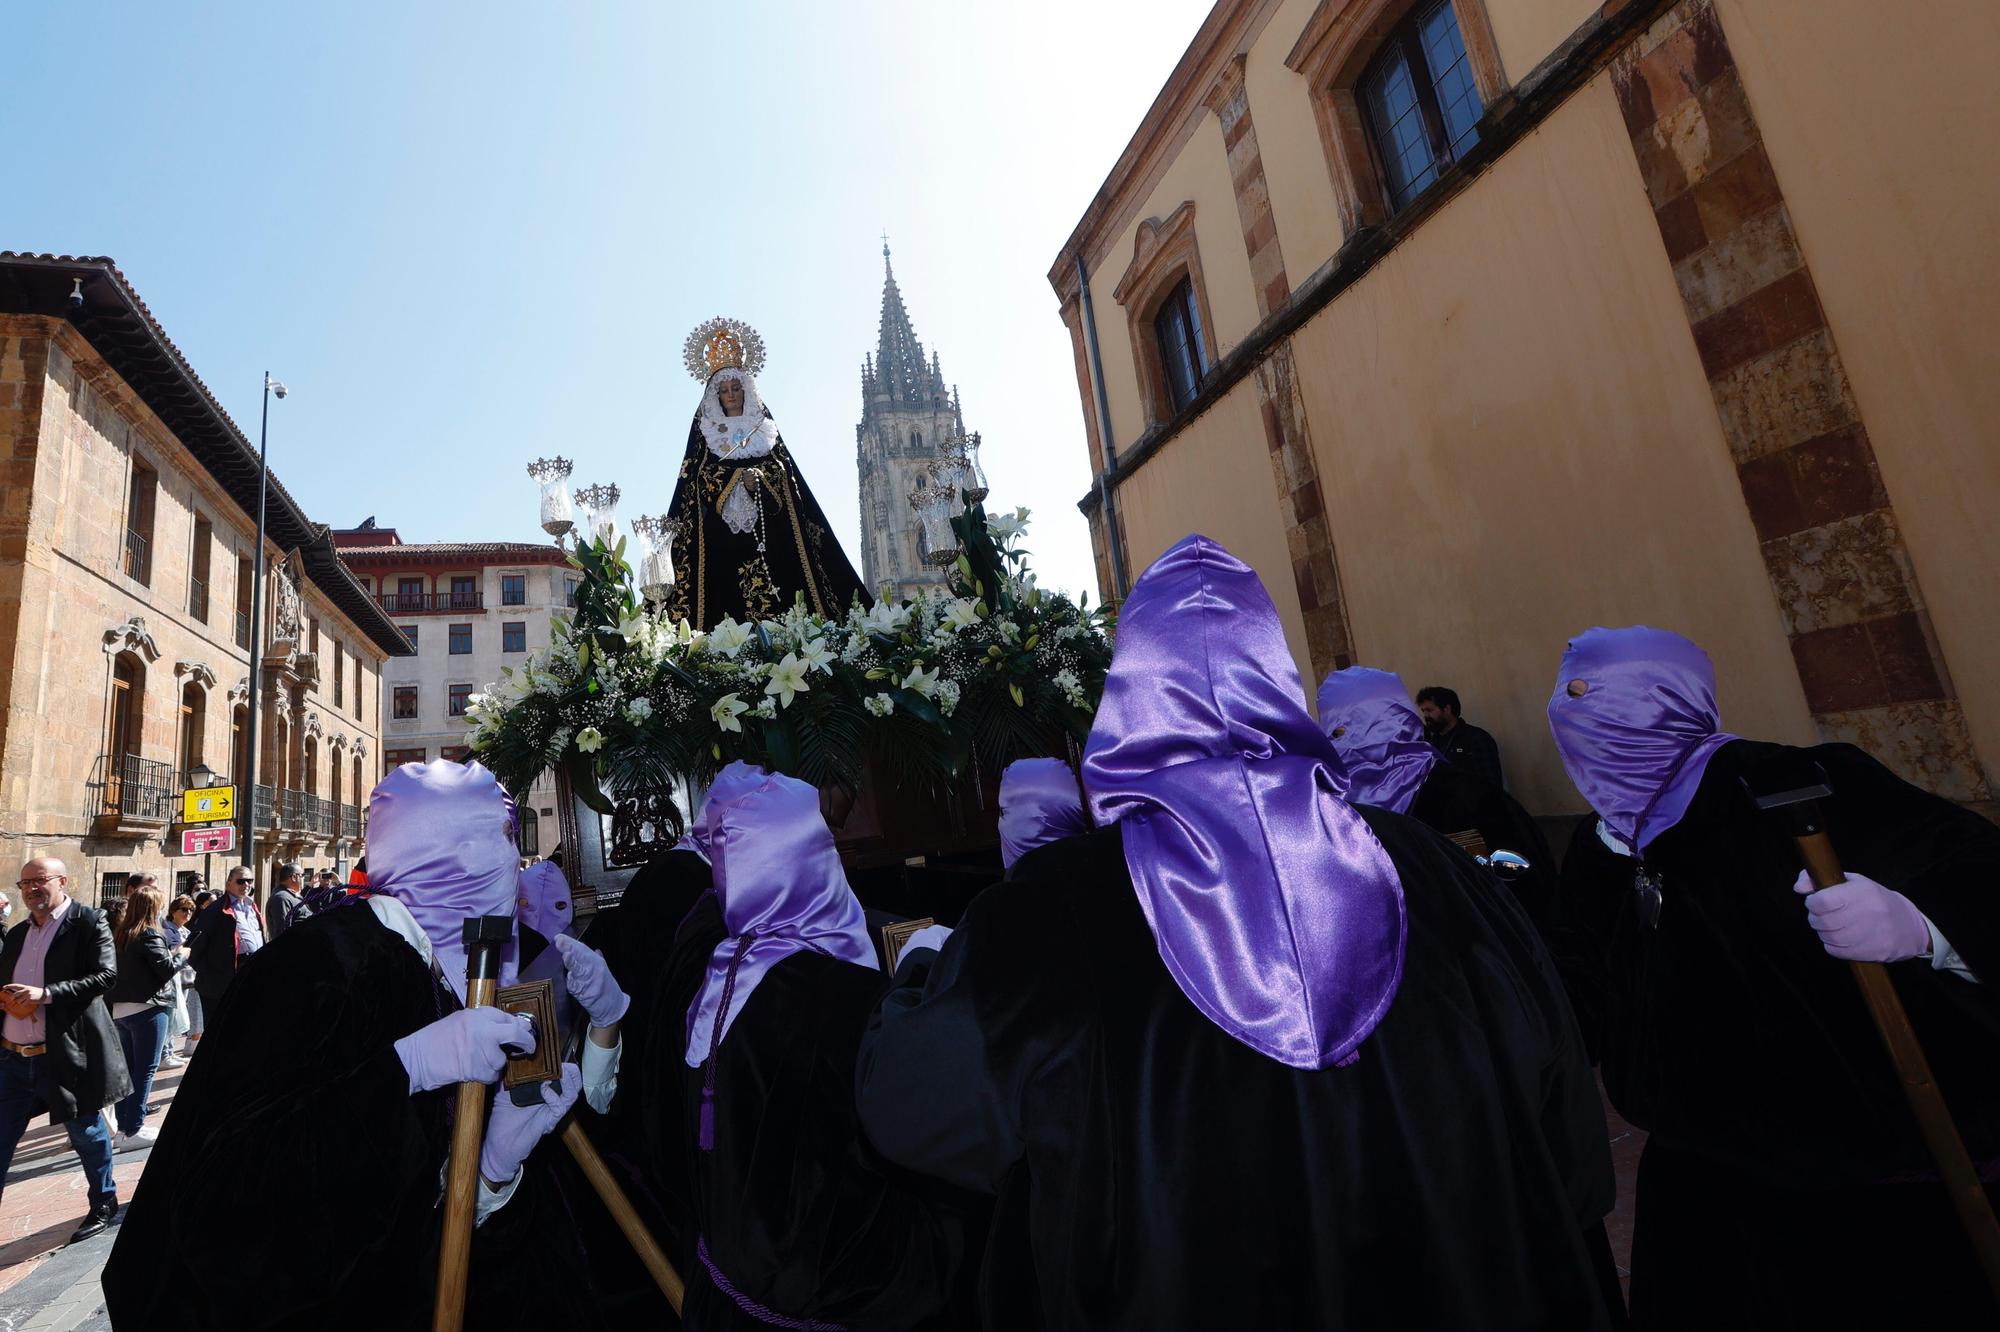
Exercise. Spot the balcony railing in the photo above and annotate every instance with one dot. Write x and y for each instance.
(135, 792)
(431, 603)
(243, 629)
(198, 599)
(350, 821)
(138, 557)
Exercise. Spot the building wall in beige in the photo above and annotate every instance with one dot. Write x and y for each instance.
(124, 668)
(1896, 222)
(1518, 443)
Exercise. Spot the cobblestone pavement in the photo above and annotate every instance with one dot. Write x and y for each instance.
(47, 1284)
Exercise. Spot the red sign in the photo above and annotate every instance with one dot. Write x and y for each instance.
(200, 841)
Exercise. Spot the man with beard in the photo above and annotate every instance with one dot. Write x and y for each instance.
(1784, 1183)
(1247, 1056)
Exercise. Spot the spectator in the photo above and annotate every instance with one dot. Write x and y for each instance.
(59, 1047)
(141, 999)
(288, 906)
(1457, 739)
(182, 1022)
(230, 930)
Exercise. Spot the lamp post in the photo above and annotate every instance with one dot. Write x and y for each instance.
(249, 806)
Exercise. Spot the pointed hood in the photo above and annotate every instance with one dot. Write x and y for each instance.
(1275, 909)
(1634, 716)
(441, 841)
(1379, 734)
(544, 902)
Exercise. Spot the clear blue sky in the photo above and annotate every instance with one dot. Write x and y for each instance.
(470, 234)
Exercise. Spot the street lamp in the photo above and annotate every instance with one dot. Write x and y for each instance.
(249, 806)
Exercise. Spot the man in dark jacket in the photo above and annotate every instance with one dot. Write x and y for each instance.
(59, 1047)
(225, 934)
(1457, 739)
(287, 903)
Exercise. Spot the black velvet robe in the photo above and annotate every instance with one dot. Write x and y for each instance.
(1152, 1172)
(1785, 1184)
(297, 1159)
(1454, 799)
(797, 1214)
(722, 573)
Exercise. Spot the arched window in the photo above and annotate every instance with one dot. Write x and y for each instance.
(531, 834)
(333, 785)
(123, 726)
(194, 726)
(916, 441)
(360, 793)
(311, 766)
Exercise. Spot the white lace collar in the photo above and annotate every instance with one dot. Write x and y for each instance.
(751, 434)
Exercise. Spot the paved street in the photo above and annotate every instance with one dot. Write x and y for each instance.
(45, 1286)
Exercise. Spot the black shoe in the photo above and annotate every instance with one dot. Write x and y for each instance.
(100, 1218)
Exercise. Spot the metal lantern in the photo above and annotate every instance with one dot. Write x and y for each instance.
(656, 560)
(936, 542)
(601, 502)
(964, 450)
(552, 475)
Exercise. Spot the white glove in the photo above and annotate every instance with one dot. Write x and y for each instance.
(930, 936)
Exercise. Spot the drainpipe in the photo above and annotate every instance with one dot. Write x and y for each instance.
(1105, 494)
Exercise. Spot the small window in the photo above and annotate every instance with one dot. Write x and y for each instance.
(138, 554)
(244, 581)
(530, 838)
(204, 539)
(1182, 355)
(409, 632)
(916, 441)
(1420, 101)
(464, 592)
(514, 636)
(406, 703)
(339, 676)
(461, 640)
(409, 594)
(456, 698)
(393, 759)
(455, 753)
(513, 589)
(569, 593)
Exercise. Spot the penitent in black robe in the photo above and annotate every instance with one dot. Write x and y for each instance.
(297, 1183)
(1152, 1172)
(755, 574)
(797, 1216)
(1784, 1184)
(1455, 799)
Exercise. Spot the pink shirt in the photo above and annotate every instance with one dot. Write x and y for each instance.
(28, 971)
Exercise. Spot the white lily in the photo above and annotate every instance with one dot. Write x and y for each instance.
(1006, 525)
(788, 677)
(921, 681)
(961, 613)
(817, 655)
(728, 637)
(589, 740)
(725, 712)
(885, 618)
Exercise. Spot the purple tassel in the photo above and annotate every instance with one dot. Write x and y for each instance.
(707, 1138)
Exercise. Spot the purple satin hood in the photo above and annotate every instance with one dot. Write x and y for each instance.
(1039, 804)
(544, 901)
(1379, 734)
(1638, 740)
(1275, 909)
(782, 890)
(732, 781)
(441, 841)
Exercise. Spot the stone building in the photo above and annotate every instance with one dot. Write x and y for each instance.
(127, 534)
(1474, 323)
(469, 608)
(906, 413)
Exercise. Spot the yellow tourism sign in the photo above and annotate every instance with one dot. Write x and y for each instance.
(208, 804)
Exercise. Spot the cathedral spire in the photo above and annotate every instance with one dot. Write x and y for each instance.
(899, 357)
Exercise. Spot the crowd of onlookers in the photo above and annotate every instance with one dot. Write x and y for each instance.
(98, 1001)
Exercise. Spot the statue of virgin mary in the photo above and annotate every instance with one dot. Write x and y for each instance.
(747, 534)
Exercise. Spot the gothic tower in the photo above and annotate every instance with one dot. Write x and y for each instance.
(906, 413)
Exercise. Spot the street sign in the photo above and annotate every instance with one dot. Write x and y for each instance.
(202, 841)
(208, 804)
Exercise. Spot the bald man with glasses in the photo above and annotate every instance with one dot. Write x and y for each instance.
(59, 1046)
